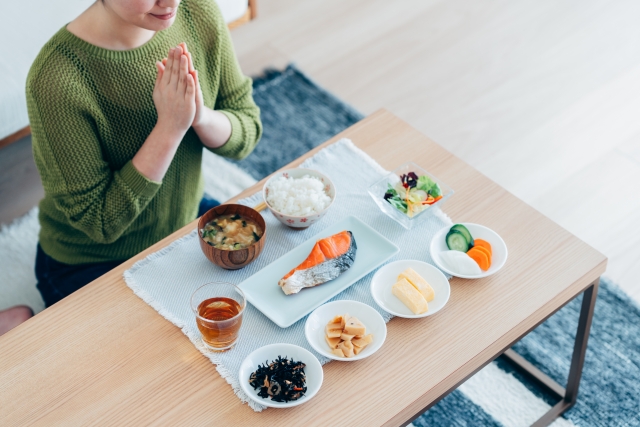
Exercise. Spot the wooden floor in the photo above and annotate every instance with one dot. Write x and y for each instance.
(542, 97)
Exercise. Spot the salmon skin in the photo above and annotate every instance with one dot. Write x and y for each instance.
(329, 258)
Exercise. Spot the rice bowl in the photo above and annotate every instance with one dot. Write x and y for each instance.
(298, 197)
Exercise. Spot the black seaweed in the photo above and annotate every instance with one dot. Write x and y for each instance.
(244, 223)
(215, 225)
(255, 236)
(235, 217)
(209, 233)
(283, 380)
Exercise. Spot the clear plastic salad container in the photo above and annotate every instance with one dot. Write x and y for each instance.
(378, 190)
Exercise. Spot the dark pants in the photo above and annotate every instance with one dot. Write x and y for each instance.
(57, 280)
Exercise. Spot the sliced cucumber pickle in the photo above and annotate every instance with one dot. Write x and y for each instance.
(456, 241)
(465, 232)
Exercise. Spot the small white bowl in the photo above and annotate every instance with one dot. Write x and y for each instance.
(300, 221)
(387, 276)
(312, 370)
(498, 249)
(314, 329)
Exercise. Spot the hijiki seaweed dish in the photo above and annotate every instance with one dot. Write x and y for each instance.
(282, 380)
(231, 232)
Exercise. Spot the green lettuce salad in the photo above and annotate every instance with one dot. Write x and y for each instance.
(413, 193)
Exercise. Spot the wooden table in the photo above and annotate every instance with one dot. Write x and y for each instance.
(103, 356)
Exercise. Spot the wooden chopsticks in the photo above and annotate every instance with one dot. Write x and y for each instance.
(260, 206)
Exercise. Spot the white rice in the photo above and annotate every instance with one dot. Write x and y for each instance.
(298, 196)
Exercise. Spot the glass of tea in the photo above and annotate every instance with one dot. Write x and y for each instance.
(218, 307)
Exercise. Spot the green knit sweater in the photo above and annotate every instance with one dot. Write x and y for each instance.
(91, 109)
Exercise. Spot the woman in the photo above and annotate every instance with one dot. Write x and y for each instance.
(118, 140)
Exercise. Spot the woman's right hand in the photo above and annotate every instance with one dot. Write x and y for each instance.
(174, 93)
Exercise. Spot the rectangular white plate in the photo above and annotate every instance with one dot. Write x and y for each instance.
(263, 292)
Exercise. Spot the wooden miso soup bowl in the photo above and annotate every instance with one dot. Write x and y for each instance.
(228, 259)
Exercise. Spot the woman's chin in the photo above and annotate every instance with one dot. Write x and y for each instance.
(156, 24)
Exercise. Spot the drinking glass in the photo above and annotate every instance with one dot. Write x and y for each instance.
(218, 307)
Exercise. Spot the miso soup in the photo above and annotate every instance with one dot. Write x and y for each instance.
(231, 232)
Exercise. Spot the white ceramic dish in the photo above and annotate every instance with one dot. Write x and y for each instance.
(300, 221)
(387, 276)
(313, 371)
(263, 292)
(314, 329)
(498, 249)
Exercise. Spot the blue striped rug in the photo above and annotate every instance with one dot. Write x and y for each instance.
(298, 115)
(609, 392)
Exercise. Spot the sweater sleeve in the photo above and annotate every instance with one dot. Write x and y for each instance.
(95, 199)
(235, 98)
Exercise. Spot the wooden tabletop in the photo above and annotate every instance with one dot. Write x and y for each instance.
(103, 356)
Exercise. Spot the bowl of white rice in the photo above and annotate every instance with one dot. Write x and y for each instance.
(298, 197)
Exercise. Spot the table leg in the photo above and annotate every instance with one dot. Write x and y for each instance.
(570, 395)
(567, 396)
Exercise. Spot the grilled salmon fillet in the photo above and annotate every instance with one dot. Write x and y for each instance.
(329, 258)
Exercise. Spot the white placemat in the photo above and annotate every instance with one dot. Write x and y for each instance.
(166, 279)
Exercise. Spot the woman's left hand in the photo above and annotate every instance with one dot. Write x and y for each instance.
(212, 127)
(199, 99)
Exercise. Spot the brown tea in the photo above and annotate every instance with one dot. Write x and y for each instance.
(220, 330)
